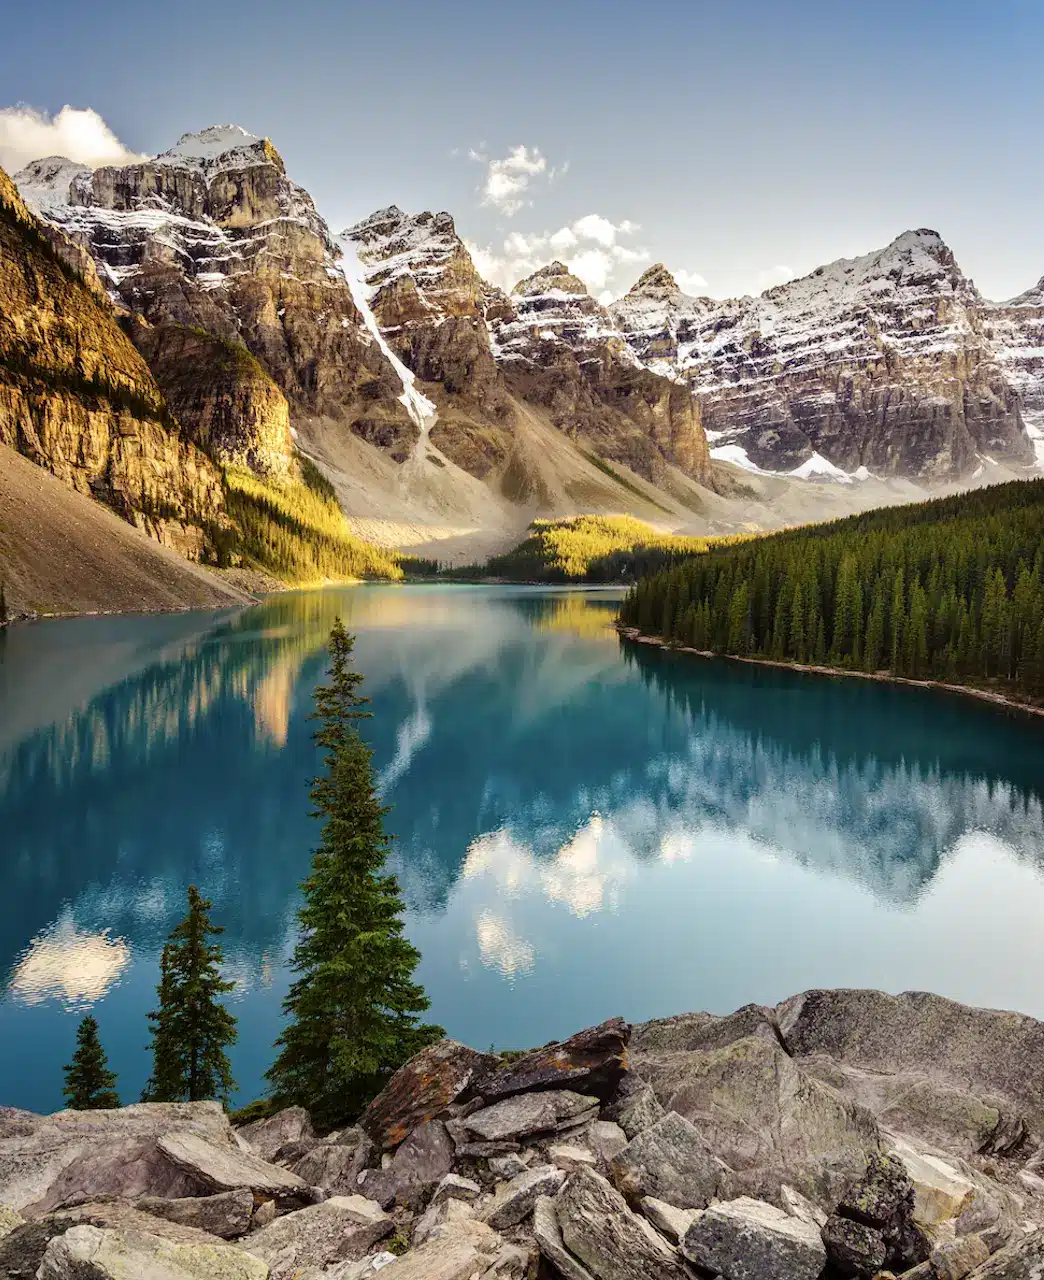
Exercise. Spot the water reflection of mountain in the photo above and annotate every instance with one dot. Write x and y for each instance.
(513, 743)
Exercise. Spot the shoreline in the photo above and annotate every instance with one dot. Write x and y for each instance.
(880, 677)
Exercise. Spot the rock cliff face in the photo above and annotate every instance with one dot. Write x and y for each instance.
(1016, 333)
(883, 362)
(213, 235)
(78, 399)
(561, 349)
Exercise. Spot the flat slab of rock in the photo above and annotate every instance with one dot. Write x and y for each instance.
(670, 1162)
(566, 1155)
(941, 1191)
(226, 1215)
(982, 1051)
(103, 1254)
(35, 1150)
(954, 1259)
(591, 1062)
(528, 1113)
(747, 1239)
(224, 1168)
(669, 1221)
(607, 1239)
(606, 1139)
(548, 1236)
(266, 1137)
(694, 1032)
(343, 1228)
(454, 1187)
(766, 1119)
(420, 1090)
(463, 1251)
(418, 1166)
(514, 1200)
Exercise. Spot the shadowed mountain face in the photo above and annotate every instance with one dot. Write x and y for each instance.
(581, 827)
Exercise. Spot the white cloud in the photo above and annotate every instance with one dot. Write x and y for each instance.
(589, 247)
(690, 282)
(779, 274)
(79, 134)
(507, 179)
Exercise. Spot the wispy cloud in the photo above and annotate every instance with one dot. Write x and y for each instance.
(79, 134)
(691, 282)
(590, 247)
(508, 178)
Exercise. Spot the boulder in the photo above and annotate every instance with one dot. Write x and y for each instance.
(854, 1249)
(35, 1151)
(546, 1112)
(593, 1062)
(799, 1206)
(986, 1052)
(461, 1250)
(422, 1089)
(693, 1032)
(606, 1139)
(768, 1121)
(335, 1165)
(454, 1187)
(748, 1240)
(985, 1216)
(941, 1191)
(610, 1241)
(226, 1167)
(883, 1196)
(437, 1216)
(515, 1199)
(343, 1228)
(669, 1221)
(227, 1214)
(567, 1156)
(417, 1167)
(954, 1259)
(504, 1167)
(1023, 1260)
(95, 1253)
(548, 1236)
(266, 1137)
(9, 1220)
(637, 1111)
(670, 1162)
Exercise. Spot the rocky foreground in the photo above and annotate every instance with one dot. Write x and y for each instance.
(843, 1133)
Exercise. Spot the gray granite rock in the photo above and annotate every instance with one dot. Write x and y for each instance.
(747, 1239)
(515, 1199)
(266, 1137)
(854, 1249)
(548, 1236)
(669, 1221)
(86, 1252)
(609, 1240)
(637, 1111)
(416, 1169)
(343, 1228)
(671, 1162)
(516, 1117)
(227, 1214)
(225, 1167)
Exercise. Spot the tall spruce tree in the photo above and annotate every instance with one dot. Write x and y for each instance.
(191, 1029)
(89, 1084)
(354, 1007)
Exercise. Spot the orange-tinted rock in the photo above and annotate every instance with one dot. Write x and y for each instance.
(593, 1061)
(420, 1090)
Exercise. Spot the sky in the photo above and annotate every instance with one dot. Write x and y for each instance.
(740, 142)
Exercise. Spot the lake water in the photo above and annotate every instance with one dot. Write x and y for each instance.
(584, 828)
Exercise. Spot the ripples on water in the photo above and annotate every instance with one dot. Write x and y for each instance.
(582, 828)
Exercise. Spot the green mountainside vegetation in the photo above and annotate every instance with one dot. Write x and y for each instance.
(593, 549)
(951, 590)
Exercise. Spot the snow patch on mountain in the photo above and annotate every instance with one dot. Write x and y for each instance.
(218, 142)
(421, 410)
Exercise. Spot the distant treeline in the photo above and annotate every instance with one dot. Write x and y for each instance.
(951, 589)
(592, 549)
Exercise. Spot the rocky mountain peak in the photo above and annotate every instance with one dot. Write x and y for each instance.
(219, 146)
(656, 281)
(556, 276)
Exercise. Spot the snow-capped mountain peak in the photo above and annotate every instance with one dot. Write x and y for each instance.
(48, 182)
(214, 143)
(655, 282)
(556, 276)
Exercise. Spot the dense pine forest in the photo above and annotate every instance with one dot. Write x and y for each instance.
(950, 590)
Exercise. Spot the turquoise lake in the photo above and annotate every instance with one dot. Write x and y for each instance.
(584, 827)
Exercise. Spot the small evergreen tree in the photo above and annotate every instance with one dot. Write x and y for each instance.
(354, 1006)
(191, 1029)
(89, 1084)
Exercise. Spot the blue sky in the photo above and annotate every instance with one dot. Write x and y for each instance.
(734, 141)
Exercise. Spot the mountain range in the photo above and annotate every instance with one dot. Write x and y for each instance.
(167, 321)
